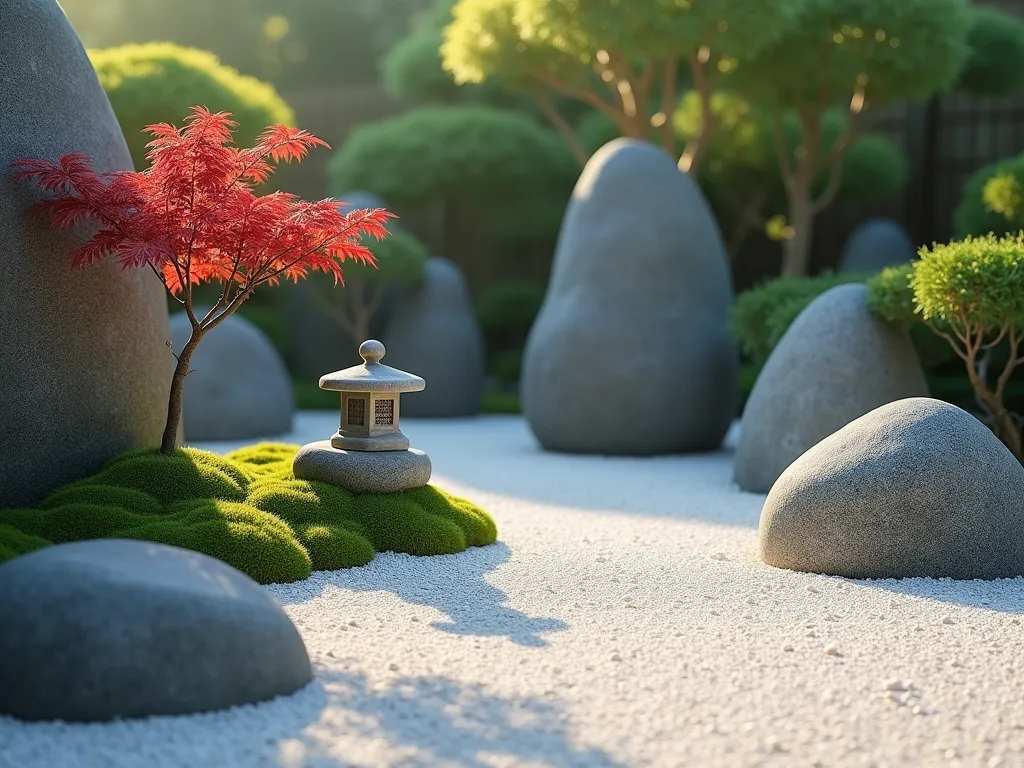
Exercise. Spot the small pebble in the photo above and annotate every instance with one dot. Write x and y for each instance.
(787, 647)
(947, 619)
(832, 650)
(894, 684)
(393, 667)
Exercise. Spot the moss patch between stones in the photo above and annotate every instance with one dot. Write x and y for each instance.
(248, 510)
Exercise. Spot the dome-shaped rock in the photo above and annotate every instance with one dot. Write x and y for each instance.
(104, 629)
(435, 334)
(631, 353)
(875, 245)
(84, 371)
(917, 487)
(239, 387)
(836, 362)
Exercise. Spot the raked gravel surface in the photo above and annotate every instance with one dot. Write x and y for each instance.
(622, 620)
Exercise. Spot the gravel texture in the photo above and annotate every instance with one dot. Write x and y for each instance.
(622, 620)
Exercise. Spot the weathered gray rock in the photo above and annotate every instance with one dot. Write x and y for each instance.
(917, 487)
(316, 342)
(84, 369)
(239, 387)
(876, 244)
(631, 353)
(106, 629)
(836, 362)
(362, 471)
(434, 332)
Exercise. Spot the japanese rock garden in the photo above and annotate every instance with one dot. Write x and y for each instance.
(714, 310)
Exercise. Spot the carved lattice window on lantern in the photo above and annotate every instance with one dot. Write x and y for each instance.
(357, 412)
(384, 413)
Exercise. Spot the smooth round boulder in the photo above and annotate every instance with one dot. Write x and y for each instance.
(85, 371)
(239, 387)
(917, 487)
(875, 245)
(316, 342)
(435, 333)
(362, 471)
(109, 628)
(836, 362)
(630, 353)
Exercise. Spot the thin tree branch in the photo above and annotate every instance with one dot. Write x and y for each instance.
(690, 160)
(557, 119)
(669, 96)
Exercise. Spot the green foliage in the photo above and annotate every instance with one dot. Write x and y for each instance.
(478, 154)
(412, 71)
(988, 199)
(248, 510)
(506, 312)
(762, 315)
(905, 50)
(891, 297)
(995, 60)
(977, 282)
(160, 82)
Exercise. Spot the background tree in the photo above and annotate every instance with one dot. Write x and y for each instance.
(156, 82)
(994, 65)
(851, 52)
(621, 59)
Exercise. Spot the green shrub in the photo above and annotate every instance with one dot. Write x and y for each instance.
(973, 291)
(506, 312)
(160, 82)
(761, 315)
(995, 62)
(473, 153)
(975, 216)
(248, 510)
(891, 298)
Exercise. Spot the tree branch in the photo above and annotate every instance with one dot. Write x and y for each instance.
(585, 96)
(689, 162)
(557, 119)
(669, 96)
(782, 153)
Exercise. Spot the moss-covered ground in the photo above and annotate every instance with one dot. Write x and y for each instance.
(248, 510)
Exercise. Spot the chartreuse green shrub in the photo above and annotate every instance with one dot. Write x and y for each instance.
(971, 292)
(991, 200)
(248, 510)
(160, 82)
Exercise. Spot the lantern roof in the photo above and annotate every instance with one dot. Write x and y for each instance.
(372, 375)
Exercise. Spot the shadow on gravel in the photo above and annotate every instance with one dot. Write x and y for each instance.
(453, 584)
(434, 721)
(1002, 595)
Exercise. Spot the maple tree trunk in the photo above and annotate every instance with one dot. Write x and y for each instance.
(796, 250)
(168, 442)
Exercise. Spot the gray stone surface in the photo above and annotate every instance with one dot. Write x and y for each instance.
(316, 343)
(83, 368)
(239, 387)
(631, 352)
(876, 244)
(435, 334)
(362, 471)
(917, 487)
(106, 629)
(836, 362)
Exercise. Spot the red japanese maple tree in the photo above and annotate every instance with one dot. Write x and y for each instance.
(193, 217)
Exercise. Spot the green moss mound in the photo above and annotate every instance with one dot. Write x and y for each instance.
(248, 510)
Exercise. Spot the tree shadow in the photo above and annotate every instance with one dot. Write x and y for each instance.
(436, 721)
(476, 608)
(1000, 595)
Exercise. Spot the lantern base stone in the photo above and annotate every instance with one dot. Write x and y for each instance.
(392, 441)
(362, 471)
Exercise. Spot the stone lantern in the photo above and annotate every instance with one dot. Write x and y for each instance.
(369, 453)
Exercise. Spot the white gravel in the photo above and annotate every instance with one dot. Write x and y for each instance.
(622, 620)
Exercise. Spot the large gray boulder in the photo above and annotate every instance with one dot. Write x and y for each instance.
(111, 628)
(917, 487)
(876, 244)
(631, 353)
(317, 344)
(836, 362)
(434, 333)
(84, 368)
(239, 387)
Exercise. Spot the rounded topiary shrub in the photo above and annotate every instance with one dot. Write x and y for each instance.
(980, 211)
(248, 510)
(160, 82)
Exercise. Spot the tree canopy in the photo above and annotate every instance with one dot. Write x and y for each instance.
(995, 61)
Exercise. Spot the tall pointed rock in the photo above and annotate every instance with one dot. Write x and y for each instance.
(84, 370)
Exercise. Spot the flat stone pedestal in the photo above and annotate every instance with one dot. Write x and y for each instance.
(362, 471)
